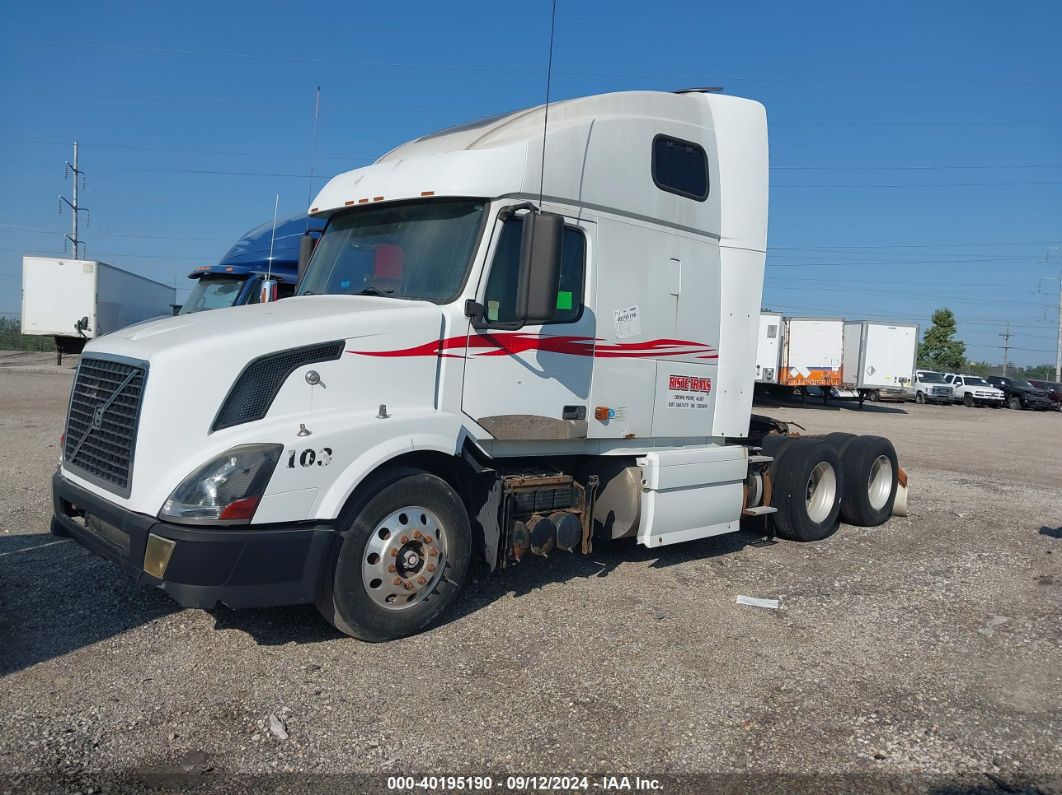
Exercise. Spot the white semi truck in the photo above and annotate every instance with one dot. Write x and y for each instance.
(75, 300)
(488, 355)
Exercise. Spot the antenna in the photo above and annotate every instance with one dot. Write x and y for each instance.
(272, 237)
(75, 208)
(313, 150)
(545, 115)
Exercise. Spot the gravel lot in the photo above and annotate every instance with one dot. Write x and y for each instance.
(924, 654)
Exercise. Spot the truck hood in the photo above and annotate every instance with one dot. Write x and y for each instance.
(264, 327)
(193, 361)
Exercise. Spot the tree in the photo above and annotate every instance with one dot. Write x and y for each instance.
(938, 350)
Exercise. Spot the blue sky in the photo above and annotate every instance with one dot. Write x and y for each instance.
(916, 147)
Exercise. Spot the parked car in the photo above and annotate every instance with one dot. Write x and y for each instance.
(1020, 394)
(930, 387)
(973, 390)
(1053, 390)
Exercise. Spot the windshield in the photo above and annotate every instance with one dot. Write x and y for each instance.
(973, 380)
(213, 293)
(1021, 383)
(419, 250)
(931, 378)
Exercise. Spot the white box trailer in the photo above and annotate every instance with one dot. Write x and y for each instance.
(879, 357)
(489, 354)
(79, 300)
(812, 352)
(769, 348)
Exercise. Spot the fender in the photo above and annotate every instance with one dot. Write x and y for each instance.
(387, 439)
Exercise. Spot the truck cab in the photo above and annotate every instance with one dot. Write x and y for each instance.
(262, 266)
(488, 354)
(973, 390)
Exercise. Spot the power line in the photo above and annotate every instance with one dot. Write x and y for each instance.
(263, 56)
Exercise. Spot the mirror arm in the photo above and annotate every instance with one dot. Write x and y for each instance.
(477, 313)
(511, 210)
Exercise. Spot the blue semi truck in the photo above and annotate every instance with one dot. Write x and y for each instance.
(247, 273)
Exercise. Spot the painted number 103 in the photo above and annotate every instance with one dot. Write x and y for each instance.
(309, 457)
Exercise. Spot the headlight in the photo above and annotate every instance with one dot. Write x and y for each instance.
(225, 489)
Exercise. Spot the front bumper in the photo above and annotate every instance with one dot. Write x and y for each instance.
(238, 567)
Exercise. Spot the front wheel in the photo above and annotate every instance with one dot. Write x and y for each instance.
(967, 400)
(1014, 402)
(920, 398)
(402, 561)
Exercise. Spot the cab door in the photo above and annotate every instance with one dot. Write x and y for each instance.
(533, 382)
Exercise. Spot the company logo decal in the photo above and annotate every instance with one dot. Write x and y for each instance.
(688, 392)
(517, 342)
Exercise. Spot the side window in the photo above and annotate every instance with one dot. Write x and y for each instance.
(500, 298)
(680, 167)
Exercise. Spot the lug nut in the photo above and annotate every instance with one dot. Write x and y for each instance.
(428, 539)
(392, 568)
(394, 553)
(404, 539)
(409, 586)
(421, 580)
(430, 567)
(433, 552)
(417, 534)
(398, 580)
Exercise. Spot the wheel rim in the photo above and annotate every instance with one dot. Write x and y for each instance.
(404, 558)
(920, 398)
(821, 492)
(879, 484)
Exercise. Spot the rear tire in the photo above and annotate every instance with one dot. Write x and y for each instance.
(1014, 402)
(870, 481)
(807, 491)
(417, 524)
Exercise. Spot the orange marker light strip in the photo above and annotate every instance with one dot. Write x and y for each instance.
(427, 193)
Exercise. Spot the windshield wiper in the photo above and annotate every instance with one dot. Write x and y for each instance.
(370, 290)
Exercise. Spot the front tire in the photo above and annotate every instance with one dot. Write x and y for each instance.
(807, 485)
(402, 561)
(920, 398)
(1014, 402)
(967, 400)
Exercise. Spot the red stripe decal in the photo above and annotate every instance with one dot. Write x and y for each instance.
(514, 343)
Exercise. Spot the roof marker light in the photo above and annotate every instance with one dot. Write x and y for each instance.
(363, 201)
(348, 203)
(427, 193)
(313, 209)
(377, 198)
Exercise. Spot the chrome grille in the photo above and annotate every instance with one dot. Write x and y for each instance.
(102, 421)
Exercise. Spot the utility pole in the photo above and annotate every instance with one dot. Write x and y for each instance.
(1006, 335)
(75, 208)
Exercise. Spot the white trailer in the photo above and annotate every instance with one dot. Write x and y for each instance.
(879, 358)
(769, 348)
(79, 300)
(812, 354)
(489, 354)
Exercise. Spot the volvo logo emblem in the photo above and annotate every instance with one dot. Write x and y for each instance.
(97, 418)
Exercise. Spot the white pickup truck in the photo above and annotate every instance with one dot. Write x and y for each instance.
(488, 355)
(973, 390)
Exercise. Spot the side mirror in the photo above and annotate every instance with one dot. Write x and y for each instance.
(306, 247)
(267, 291)
(540, 260)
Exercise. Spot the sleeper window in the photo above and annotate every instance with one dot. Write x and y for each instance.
(500, 298)
(680, 167)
